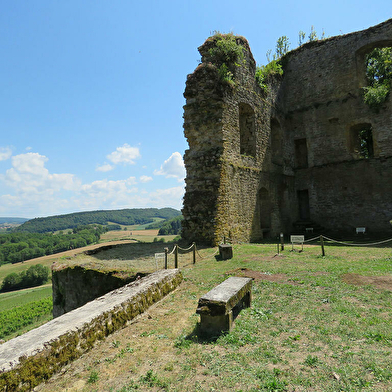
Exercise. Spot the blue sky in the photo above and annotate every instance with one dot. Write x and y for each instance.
(91, 92)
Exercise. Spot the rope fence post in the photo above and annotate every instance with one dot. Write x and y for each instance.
(194, 252)
(322, 245)
(176, 257)
(166, 251)
(281, 242)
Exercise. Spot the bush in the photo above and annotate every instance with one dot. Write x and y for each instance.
(226, 55)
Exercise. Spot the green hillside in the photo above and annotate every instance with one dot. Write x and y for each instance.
(133, 216)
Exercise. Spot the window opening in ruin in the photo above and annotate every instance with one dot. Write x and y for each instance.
(303, 204)
(276, 142)
(264, 209)
(362, 141)
(247, 130)
(301, 153)
(378, 76)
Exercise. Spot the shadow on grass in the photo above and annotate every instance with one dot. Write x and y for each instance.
(196, 336)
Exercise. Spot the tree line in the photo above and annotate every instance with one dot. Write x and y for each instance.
(19, 246)
(32, 277)
(135, 216)
(171, 226)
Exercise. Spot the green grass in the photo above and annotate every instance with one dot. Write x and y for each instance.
(307, 329)
(15, 320)
(21, 297)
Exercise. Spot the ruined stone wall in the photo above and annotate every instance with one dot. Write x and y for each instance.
(75, 286)
(261, 162)
(322, 100)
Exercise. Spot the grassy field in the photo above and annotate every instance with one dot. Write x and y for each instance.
(23, 310)
(315, 324)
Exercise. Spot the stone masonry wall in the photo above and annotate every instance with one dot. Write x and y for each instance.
(261, 162)
(323, 100)
(75, 286)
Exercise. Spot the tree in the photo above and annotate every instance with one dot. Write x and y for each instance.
(379, 76)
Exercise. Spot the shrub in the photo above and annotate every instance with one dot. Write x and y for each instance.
(226, 54)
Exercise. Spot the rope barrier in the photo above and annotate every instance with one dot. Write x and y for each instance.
(313, 239)
(187, 249)
(362, 244)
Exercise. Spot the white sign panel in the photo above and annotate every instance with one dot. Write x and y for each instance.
(297, 239)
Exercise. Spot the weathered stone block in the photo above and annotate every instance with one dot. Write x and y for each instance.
(219, 307)
(225, 251)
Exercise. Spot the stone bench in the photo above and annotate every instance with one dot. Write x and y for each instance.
(221, 305)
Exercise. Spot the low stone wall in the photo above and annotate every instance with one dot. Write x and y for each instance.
(29, 359)
(76, 285)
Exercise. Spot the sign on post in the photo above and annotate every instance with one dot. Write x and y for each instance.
(159, 256)
(297, 239)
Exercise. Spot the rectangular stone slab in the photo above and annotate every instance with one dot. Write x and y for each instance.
(221, 299)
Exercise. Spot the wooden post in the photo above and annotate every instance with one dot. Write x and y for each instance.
(281, 241)
(176, 257)
(322, 245)
(194, 252)
(166, 250)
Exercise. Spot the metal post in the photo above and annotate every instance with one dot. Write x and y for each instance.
(166, 251)
(322, 245)
(176, 257)
(281, 241)
(194, 252)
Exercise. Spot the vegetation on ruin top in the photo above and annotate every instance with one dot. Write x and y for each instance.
(226, 54)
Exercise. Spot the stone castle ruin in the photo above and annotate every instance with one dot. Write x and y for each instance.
(290, 155)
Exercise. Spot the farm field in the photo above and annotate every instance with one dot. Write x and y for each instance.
(23, 310)
(109, 238)
(32, 307)
(316, 324)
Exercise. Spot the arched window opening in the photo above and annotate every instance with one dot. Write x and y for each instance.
(247, 130)
(276, 142)
(361, 141)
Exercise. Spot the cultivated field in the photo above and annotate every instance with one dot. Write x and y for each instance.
(315, 324)
(23, 310)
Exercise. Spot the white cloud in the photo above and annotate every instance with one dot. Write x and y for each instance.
(173, 167)
(170, 197)
(124, 154)
(29, 190)
(34, 188)
(105, 168)
(145, 178)
(5, 153)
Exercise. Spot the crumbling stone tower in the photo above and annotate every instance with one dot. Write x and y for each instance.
(286, 157)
